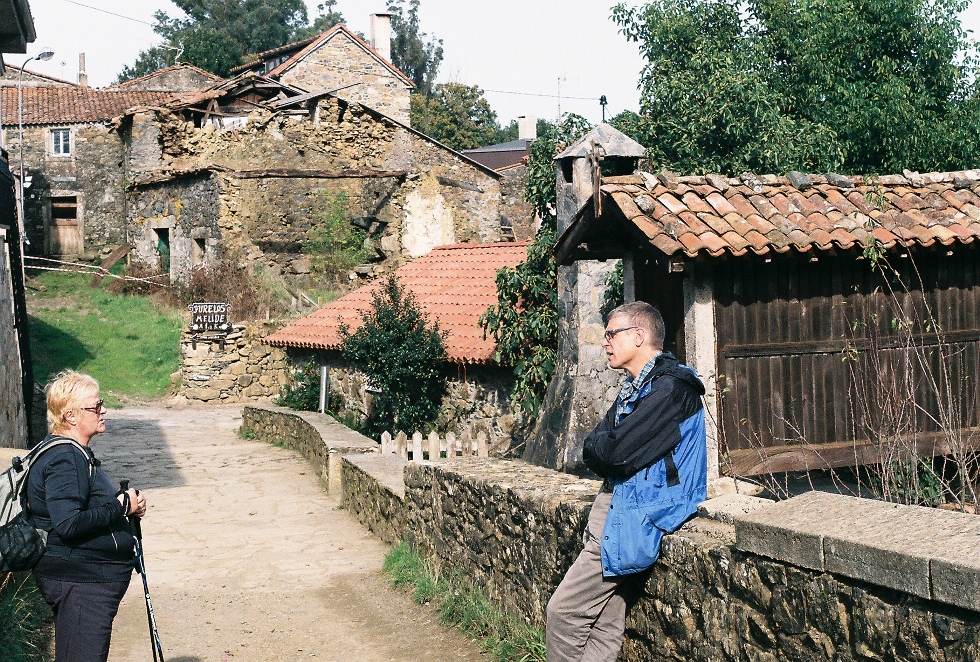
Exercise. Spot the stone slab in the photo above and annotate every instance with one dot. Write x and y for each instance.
(885, 544)
(388, 470)
(726, 507)
(790, 530)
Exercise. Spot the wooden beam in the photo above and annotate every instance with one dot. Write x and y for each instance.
(859, 344)
(315, 173)
(798, 457)
(109, 263)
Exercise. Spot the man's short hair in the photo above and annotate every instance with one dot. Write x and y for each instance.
(645, 316)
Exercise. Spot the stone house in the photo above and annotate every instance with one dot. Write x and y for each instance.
(246, 165)
(767, 290)
(454, 285)
(181, 77)
(339, 60)
(74, 165)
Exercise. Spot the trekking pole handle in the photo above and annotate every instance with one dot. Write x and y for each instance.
(134, 521)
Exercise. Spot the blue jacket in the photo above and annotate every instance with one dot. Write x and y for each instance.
(655, 457)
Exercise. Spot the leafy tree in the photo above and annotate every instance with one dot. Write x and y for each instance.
(403, 354)
(216, 34)
(456, 115)
(333, 244)
(814, 85)
(418, 59)
(326, 19)
(511, 131)
(525, 320)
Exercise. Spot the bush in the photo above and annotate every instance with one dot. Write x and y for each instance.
(304, 393)
(403, 355)
(228, 280)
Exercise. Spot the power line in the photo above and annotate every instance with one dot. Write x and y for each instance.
(111, 13)
(532, 94)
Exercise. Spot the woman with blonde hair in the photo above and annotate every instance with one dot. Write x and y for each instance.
(89, 559)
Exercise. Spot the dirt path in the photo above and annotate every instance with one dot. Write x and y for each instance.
(248, 559)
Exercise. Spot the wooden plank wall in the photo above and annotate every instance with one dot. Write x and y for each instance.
(787, 327)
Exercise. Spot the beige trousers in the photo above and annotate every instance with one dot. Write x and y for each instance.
(587, 613)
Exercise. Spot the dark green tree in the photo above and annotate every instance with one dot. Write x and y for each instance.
(217, 34)
(417, 58)
(524, 322)
(857, 86)
(403, 354)
(326, 18)
(456, 115)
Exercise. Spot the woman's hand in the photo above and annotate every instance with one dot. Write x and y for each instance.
(137, 502)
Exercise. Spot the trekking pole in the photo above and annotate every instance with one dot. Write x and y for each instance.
(155, 646)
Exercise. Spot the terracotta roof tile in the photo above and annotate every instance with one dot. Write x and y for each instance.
(76, 105)
(454, 284)
(672, 203)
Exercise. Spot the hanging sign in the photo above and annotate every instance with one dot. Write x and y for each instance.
(209, 317)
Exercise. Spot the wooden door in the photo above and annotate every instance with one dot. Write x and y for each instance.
(64, 237)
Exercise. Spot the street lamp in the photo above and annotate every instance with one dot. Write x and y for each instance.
(45, 54)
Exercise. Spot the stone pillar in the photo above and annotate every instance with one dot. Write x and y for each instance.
(700, 339)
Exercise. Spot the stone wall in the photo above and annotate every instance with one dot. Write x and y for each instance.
(515, 528)
(240, 369)
(408, 192)
(518, 213)
(374, 493)
(93, 174)
(477, 398)
(13, 414)
(341, 61)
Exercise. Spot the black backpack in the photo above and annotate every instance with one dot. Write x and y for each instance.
(22, 544)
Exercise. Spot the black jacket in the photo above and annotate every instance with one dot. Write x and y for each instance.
(653, 429)
(89, 538)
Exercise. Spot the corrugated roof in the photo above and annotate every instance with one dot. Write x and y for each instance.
(74, 105)
(714, 215)
(454, 284)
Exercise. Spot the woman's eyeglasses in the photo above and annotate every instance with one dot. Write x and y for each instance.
(97, 408)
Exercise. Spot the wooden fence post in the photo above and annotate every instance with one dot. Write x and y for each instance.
(482, 448)
(450, 446)
(385, 442)
(417, 446)
(433, 446)
(401, 445)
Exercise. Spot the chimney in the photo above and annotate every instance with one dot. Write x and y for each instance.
(381, 35)
(82, 76)
(527, 127)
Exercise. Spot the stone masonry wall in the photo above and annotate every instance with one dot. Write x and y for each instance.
(515, 529)
(94, 174)
(13, 415)
(243, 369)
(440, 198)
(318, 437)
(340, 62)
(477, 398)
(513, 207)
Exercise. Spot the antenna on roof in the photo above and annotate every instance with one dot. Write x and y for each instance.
(603, 103)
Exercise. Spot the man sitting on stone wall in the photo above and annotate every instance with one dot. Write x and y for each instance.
(651, 450)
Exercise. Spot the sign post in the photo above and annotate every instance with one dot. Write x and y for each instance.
(209, 318)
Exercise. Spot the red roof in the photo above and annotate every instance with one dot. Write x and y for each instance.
(454, 284)
(75, 105)
(715, 215)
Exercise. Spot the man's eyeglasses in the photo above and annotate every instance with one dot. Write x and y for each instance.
(97, 408)
(611, 333)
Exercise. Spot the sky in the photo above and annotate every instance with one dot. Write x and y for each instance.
(523, 53)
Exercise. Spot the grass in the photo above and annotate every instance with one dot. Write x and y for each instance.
(464, 605)
(130, 344)
(24, 617)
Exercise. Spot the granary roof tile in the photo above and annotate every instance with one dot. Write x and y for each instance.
(454, 284)
(715, 215)
(76, 105)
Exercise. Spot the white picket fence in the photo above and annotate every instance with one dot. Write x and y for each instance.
(435, 447)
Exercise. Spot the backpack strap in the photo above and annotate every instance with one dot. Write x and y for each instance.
(47, 445)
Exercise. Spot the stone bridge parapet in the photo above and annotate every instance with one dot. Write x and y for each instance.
(818, 577)
(318, 437)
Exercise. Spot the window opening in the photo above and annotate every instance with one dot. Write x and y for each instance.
(61, 142)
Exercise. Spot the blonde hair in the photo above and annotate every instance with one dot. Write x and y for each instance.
(65, 393)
